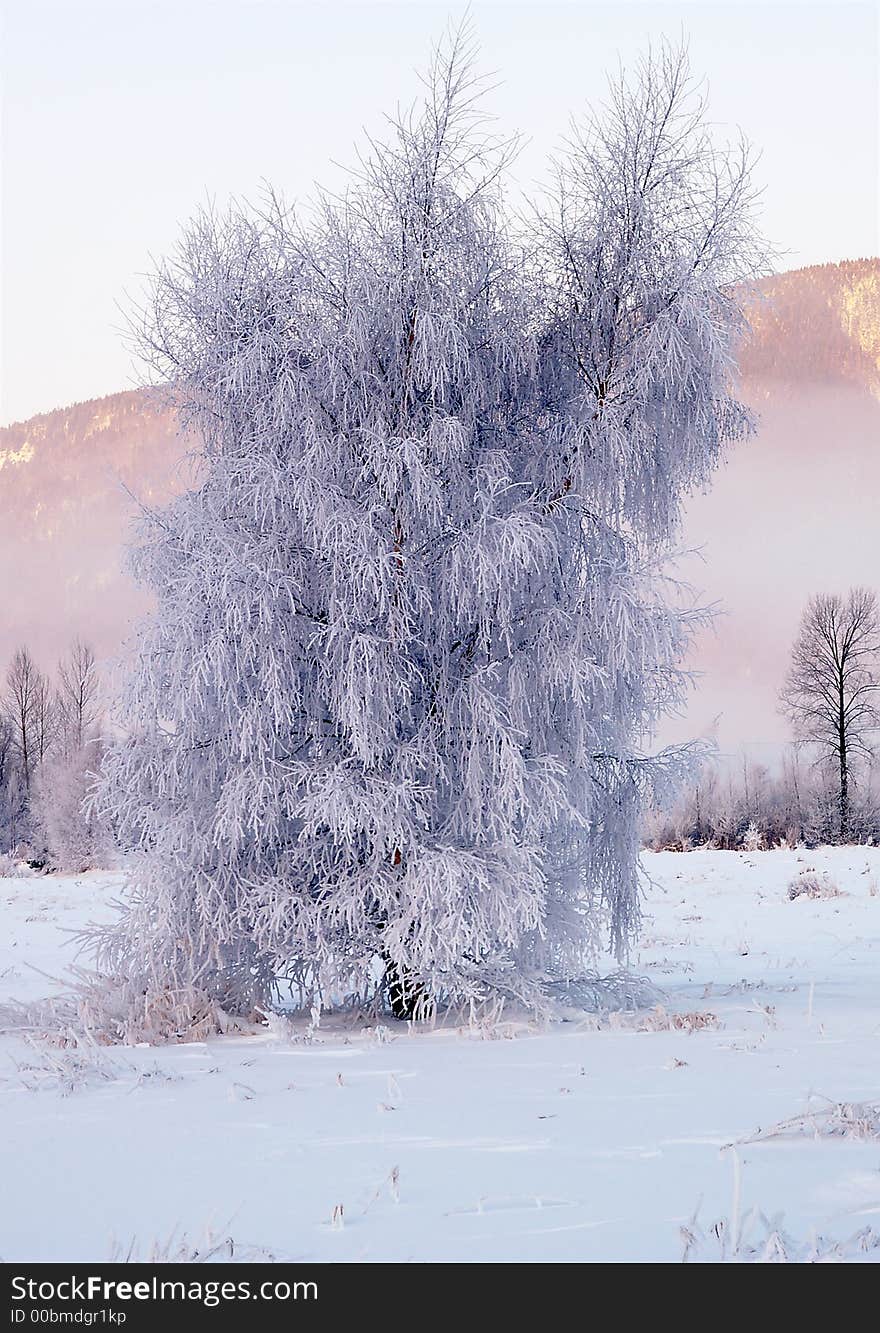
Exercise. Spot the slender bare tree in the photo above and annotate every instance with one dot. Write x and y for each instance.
(64, 828)
(45, 718)
(78, 704)
(25, 708)
(7, 786)
(831, 691)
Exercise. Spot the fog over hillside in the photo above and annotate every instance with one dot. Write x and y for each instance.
(794, 510)
(791, 512)
(67, 479)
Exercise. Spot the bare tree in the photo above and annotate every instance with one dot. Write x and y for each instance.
(45, 718)
(25, 705)
(63, 827)
(7, 786)
(831, 691)
(78, 687)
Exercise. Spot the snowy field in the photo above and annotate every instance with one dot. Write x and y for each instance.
(583, 1141)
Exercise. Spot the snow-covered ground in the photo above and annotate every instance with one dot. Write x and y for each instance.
(566, 1144)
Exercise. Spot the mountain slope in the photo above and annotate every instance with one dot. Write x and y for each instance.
(794, 510)
(67, 481)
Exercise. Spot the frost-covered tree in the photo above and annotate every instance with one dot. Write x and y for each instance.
(410, 631)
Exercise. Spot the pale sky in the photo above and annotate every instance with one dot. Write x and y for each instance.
(121, 116)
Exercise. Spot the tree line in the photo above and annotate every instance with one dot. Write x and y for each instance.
(742, 805)
(51, 748)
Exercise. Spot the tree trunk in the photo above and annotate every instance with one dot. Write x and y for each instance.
(844, 793)
(404, 994)
(842, 739)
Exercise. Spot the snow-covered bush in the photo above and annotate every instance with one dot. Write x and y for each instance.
(753, 838)
(810, 885)
(412, 628)
(71, 834)
(65, 1069)
(13, 867)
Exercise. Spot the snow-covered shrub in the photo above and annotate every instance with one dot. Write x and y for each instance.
(619, 991)
(109, 1010)
(72, 834)
(65, 1069)
(412, 627)
(810, 885)
(659, 1019)
(13, 867)
(117, 1010)
(753, 838)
